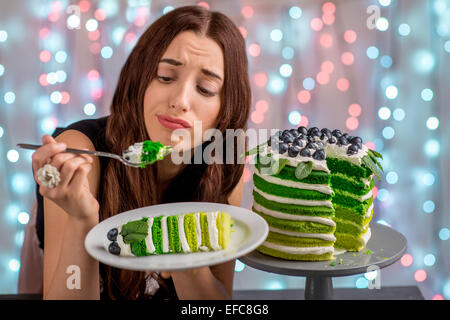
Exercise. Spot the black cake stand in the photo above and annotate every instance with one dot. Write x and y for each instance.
(385, 247)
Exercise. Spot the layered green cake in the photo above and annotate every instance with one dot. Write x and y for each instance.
(314, 189)
(183, 233)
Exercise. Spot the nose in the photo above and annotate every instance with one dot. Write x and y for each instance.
(180, 98)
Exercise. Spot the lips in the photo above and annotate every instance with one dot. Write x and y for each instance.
(173, 123)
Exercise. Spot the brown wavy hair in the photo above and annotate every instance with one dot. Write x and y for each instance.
(127, 188)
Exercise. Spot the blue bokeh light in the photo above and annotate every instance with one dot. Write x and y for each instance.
(295, 12)
(372, 52)
(428, 206)
(276, 85)
(432, 148)
(276, 35)
(288, 53)
(309, 83)
(388, 133)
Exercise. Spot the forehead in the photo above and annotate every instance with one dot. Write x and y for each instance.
(193, 49)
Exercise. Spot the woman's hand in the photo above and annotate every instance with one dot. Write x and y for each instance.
(72, 193)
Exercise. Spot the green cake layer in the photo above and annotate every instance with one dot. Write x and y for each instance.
(359, 207)
(288, 192)
(355, 186)
(350, 215)
(287, 240)
(296, 226)
(347, 168)
(299, 257)
(348, 242)
(293, 208)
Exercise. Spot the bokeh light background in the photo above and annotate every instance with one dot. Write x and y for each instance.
(334, 64)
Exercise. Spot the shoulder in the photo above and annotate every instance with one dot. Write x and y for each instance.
(93, 129)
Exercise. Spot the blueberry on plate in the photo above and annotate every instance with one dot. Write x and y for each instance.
(302, 130)
(282, 147)
(337, 133)
(342, 141)
(303, 136)
(345, 135)
(305, 152)
(114, 248)
(298, 142)
(319, 155)
(352, 150)
(280, 134)
(310, 145)
(332, 140)
(359, 145)
(112, 234)
(293, 151)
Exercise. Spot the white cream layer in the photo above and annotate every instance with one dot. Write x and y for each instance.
(366, 236)
(340, 152)
(165, 235)
(366, 181)
(299, 250)
(362, 198)
(323, 188)
(198, 229)
(212, 230)
(182, 234)
(149, 238)
(319, 165)
(125, 249)
(323, 236)
(303, 202)
(293, 217)
(369, 211)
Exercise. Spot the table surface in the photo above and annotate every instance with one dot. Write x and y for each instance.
(384, 248)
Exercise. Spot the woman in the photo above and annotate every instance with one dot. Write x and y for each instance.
(189, 65)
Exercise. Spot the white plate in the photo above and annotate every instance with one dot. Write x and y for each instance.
(249, 231)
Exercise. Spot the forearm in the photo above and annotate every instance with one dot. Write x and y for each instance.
(199, 284)
(76, 275)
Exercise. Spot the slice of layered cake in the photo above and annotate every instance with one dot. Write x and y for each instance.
(292, 193)
(184, 233)
(352, 168)
(314, 188)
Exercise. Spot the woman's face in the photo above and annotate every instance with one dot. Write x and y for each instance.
(187, 88)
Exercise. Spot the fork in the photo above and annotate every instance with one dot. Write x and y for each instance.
(94, 153)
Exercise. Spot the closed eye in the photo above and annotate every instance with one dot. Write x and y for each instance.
(164, 79)
(202, 90)
(205, 92)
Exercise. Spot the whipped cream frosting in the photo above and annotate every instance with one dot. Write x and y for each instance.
(303, 202)
(298, 250)
(293, 217)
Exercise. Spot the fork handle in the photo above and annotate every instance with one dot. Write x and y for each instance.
(77, 151)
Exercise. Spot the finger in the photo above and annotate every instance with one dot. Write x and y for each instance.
(48, 139)
(58, 160)
(79, 177)
(42, 155)
(165, 275)
(68, 169)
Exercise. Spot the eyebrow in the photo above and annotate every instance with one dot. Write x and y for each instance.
(178, 63)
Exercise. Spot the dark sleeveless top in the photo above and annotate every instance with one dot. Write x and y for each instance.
(95, 129)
